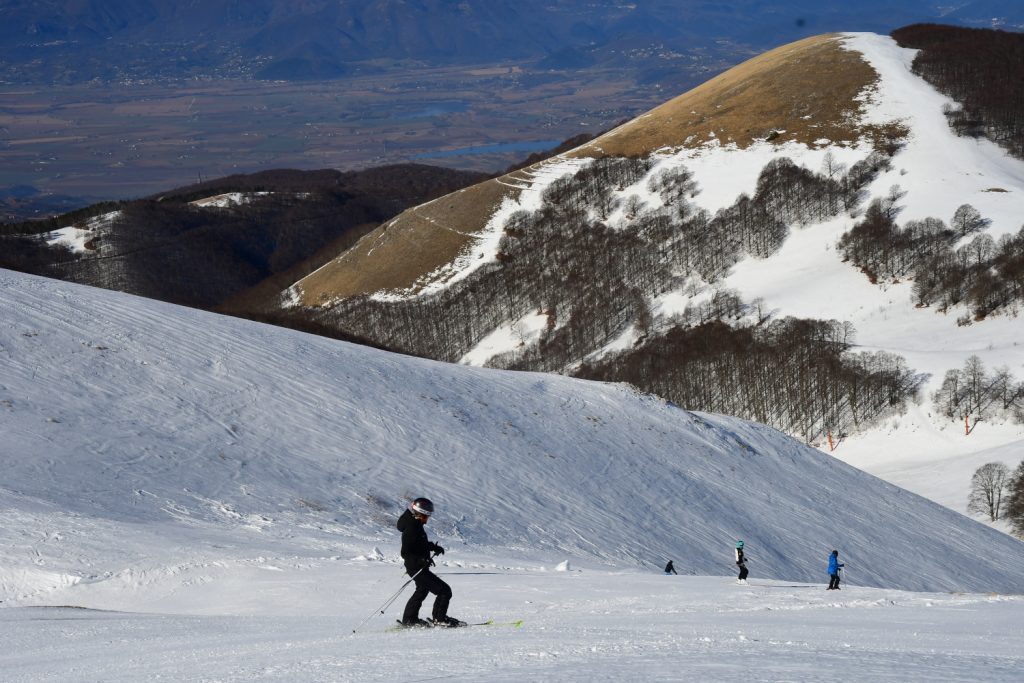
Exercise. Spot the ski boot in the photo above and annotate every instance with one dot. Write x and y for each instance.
(415, 623)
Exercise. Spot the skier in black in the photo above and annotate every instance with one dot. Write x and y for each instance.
(670, 568)
(416, 551)
(741, 562)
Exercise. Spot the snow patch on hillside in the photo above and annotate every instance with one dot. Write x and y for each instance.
(227, 200)
(724, 172)
(75, 238)
(72, 239)
(524, 332)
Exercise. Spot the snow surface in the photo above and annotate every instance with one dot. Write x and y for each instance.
(213, 499)
(578, 626)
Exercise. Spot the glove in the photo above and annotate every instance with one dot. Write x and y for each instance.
(438, 549)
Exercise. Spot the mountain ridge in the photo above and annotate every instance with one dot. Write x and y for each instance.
(321, 39)
(447, 225)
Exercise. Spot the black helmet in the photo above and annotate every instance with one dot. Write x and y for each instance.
(422, 506)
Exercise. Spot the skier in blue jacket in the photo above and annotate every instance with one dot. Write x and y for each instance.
(834, 565)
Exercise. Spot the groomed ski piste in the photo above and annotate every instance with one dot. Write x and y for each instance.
(187, 496)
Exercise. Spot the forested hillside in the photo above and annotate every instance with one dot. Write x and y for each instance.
(593, 282)
(186, 248)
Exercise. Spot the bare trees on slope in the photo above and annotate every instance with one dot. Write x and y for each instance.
(610, 239)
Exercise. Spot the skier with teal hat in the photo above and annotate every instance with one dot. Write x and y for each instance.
(741, 562)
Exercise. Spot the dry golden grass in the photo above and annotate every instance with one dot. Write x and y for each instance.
(398, 253)
(803, 92)
(807, 89)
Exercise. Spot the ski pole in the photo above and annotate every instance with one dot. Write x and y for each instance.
(383, 608)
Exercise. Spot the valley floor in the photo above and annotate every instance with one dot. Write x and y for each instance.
(288, 621)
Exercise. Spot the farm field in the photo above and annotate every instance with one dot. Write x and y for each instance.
(98, 142)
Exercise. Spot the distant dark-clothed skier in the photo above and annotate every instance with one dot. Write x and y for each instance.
(416, 551)
(670, 568)
(834, 565)
(741, 562)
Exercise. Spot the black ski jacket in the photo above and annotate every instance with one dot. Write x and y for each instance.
(416, 548)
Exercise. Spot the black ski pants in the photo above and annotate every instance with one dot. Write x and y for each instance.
(833, 581)
(428, 582)
(743, 572)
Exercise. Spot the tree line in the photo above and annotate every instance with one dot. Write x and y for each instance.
(194, 256)
(972, 392)
(983, 274)
(982, 69)
(997, 493)
(793, 374)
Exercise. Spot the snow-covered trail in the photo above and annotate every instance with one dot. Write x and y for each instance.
(578, 625)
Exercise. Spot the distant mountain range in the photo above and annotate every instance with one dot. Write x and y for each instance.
(73, 41)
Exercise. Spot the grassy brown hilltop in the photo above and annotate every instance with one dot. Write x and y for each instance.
(416, 242)
(805, 91)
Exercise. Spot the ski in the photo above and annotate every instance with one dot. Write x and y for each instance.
(491, 622)
(399, 626)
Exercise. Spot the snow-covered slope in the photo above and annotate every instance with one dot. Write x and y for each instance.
(578, 626)
(142, 439)
(923, 450)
